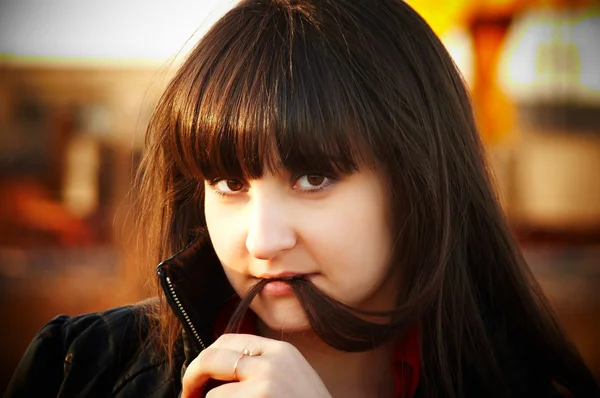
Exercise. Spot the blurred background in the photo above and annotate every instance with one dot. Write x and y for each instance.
(78, 82)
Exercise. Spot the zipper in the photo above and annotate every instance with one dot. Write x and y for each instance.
(177, 306)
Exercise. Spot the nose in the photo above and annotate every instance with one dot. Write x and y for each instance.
(269, 232)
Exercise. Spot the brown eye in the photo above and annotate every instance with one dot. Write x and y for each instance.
(229, 186)
(234, 185)
(312, 183)
(315, 180)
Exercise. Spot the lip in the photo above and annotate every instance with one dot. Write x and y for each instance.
(282, 275)
(278, 286)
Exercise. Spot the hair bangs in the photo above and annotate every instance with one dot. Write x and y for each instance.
(265, 97)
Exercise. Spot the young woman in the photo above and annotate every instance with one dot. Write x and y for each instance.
(316, 168)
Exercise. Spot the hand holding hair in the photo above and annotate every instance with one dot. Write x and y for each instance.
(256, 366)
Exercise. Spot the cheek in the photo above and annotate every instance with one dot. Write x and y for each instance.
(224, 234)
(353, 249)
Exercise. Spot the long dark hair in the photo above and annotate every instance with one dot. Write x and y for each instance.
(330, 85)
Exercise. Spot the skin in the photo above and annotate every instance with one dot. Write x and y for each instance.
(335, 229)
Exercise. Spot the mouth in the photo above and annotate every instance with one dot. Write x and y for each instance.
(278, 285)
(283, 276)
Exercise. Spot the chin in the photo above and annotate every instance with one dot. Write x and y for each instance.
(281, 315)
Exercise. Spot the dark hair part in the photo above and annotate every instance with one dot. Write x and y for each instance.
(331, 86)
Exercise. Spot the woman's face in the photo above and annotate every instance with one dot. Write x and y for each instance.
(334, 230)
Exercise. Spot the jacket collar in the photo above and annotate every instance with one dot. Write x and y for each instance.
(196, 288)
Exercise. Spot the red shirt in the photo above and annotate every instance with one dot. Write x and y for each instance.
(406, 362)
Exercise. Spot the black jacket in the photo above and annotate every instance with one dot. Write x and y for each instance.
(102, 355)
(94, 355)
(106, 354)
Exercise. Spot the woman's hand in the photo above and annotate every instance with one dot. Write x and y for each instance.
(275, 369)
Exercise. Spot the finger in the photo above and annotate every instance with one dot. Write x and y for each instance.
(215, 363)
